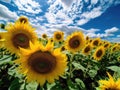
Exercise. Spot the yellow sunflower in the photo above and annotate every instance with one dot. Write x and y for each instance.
(115, 48)
(96, 42)
(44, 36)
(75, 41)
(23, 19)
(109, 84)
(99, 52)
(2, 38)
(86, 50)
(19, 35)
(107, 45)
(118, 58)
(58, 36)
(42, 63)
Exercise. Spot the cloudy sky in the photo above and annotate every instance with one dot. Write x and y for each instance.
(96, 18)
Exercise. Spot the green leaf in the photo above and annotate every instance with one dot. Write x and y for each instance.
(92, 73)
(32, 86)
(5, 59)
(72, 86)
(15, 85)
(114, 68)
(78, 66)
(80, 83)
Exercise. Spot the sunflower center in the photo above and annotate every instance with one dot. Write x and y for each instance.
(106, 45)
(99, 53)
(58, 36)
(74, 42)
(87, 49)
(23, 20)
(20, 40)
(95, 42)
(42, 62)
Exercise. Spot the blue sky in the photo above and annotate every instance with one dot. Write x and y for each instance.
(96, 18)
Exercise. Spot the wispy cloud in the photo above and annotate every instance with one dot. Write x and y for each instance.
(6, 14)
(111, 30)
(28, 6)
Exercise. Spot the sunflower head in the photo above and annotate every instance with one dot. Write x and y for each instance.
(86, 50)
(42, 63)
(58, 36)
(109, 84)
(44, 36)
(2, 38)
(19, 35)
(23, 19)
(115, 48)
(96, 42)
(107, 45)
(75, 41)
(99, 52)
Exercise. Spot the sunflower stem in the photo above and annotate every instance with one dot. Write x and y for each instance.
(70, 66)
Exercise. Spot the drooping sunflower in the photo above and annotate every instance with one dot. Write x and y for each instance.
(42, 63)
(75, 41)
(86, 50)
(99, 52)
(23, 19)
(96, 42)
(107, 45)
(115, 48)
(58, 36)
(109, 84)
(19, 35)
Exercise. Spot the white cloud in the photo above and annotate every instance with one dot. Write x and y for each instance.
(82, 21)
(7, 1)
(118, 36)
(28, 6)
(6, 14)
(94, 1)
(111, 30)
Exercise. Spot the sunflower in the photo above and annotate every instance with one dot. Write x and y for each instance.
(2, 38)
(58, 36)
(75, 41)
(19, 35)
(44, 36)
(23, 19)
(118, 58)
(115, 48)
(109, 84)
(99, 52)
(42, 63)
(86, 50)
(107, 45)
(96, 42)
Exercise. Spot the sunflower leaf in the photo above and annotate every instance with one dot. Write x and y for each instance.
(114, 68)
(78, 66)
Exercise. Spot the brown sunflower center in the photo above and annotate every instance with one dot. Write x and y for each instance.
(87, 49)
(106, 45)
(95, 42)
(0, 37)
(74, 42)
(20, 40)
(42, 62)
(23, 20)
(99, 53)
(44, 36)
(58, 36)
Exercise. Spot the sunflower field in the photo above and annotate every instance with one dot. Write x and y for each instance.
(76, 62)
